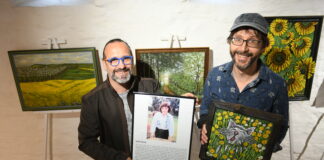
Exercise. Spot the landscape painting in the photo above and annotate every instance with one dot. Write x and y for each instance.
(54, 79)
(178, 70)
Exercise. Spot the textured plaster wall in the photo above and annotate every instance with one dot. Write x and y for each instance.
(143, 23)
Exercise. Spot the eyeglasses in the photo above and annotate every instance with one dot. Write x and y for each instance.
(250, 42)
(114, 61)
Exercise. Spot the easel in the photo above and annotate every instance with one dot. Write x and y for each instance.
(290, 137)
(172, 39)
(48, 136)
(51, 43)
(318, 102)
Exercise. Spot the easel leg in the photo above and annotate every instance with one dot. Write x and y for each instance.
(48, 136)
(291, 137)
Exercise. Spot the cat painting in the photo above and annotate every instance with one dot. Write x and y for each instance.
(237, 134)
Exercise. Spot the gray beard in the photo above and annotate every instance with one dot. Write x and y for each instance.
(121, 80)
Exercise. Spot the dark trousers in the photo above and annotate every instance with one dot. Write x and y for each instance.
(161, 133)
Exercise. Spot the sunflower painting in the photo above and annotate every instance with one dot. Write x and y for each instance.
(292, 52)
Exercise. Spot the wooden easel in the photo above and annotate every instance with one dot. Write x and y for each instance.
(51, 43)
(48, 135)
(172, 39)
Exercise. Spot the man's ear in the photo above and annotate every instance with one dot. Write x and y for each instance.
(103, 65)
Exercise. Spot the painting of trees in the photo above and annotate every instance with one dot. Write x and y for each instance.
(178, 71)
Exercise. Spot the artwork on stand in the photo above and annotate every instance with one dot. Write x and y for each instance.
(54, 79)
(239, 132)
(178, 70)
(293, 50)
(162, 126)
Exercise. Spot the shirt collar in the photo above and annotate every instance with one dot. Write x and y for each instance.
(263, 71)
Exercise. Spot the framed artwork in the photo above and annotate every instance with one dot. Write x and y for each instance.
(178, 70)
(293, 50)
(54, 79)
(239, 132)
(162, 126)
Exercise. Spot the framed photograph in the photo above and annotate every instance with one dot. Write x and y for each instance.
(162, 126)
(178, 70)
(54, 79)
(293, 50)
(239, 132)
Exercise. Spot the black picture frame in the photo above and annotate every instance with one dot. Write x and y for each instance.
(146, 144)
(54, 79)
(178, 70)
(237, 131)
(292, 52)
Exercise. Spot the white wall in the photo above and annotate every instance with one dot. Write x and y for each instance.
(143, 23)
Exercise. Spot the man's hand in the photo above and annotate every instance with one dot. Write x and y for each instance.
(191, 95)
(128, 158)
(170, 138)
(203, 135)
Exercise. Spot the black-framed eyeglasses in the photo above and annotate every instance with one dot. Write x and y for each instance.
(250, 42)
(114, 61)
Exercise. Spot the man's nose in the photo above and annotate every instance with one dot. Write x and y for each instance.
(244, 47)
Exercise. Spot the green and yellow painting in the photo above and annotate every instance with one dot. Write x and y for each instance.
(53, 80)
(234, 136)
(178, 72)
(292, 52)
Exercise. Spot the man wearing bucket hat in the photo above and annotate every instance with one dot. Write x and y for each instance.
(246, 80)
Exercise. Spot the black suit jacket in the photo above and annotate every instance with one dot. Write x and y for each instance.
(102, 130)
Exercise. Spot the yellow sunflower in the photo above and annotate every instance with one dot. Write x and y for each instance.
(290, 36)
(304, 28)
(264, 142)
(279, 26)
(279, 59)
(301, 46)
(271, 43)
(306, 67)
(296, 83)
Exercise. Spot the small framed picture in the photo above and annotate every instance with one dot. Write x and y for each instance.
(162, 126)
(239, 132)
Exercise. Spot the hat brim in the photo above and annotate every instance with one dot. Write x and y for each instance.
(252, 25)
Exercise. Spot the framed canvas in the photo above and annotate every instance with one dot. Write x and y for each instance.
(54, 79)
(162, 126)
(293, 50)
(239, 132)
(178, 70)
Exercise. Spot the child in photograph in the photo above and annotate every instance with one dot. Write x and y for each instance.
(162, 123)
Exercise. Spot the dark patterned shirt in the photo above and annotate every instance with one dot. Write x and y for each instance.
(268, 92)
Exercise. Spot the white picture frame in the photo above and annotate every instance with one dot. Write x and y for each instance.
(146, 143)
